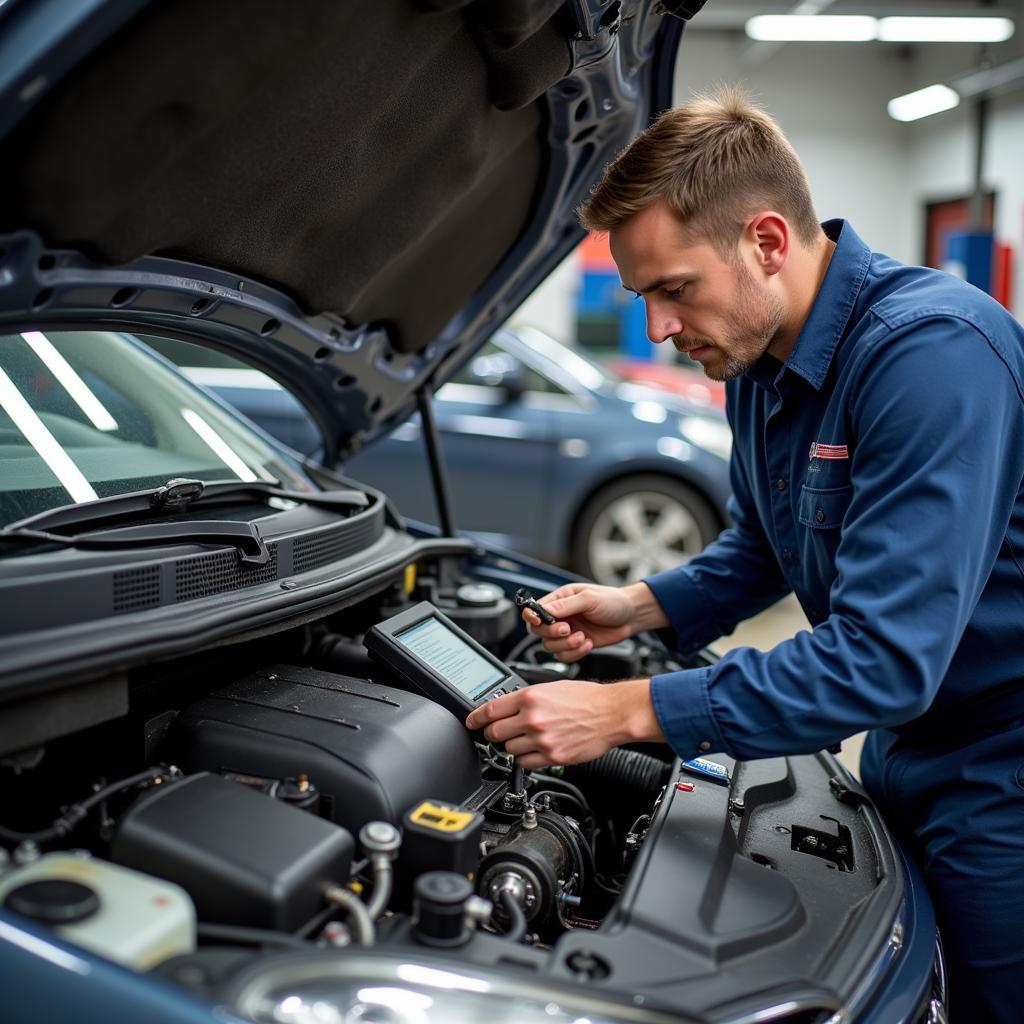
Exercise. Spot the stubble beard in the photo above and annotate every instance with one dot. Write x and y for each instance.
(758, 320)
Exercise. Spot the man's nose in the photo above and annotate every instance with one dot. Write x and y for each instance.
(662, 324)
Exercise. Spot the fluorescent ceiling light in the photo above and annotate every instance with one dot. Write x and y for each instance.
(220, 447)
(24, 417)
(73, 384)
(945, 30)
(812, 28)
(862, 28)
(932, 100)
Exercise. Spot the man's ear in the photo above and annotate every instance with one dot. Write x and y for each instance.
(768, 236)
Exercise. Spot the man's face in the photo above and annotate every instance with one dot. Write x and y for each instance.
(714, 310)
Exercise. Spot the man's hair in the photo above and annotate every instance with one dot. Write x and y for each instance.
(715, 161)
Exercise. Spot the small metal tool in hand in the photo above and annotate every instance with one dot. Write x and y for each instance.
(524, 599)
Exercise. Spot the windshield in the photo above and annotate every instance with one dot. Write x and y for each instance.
(89, 414)
(578, 365)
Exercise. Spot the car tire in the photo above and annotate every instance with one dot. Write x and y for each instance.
(640, 525)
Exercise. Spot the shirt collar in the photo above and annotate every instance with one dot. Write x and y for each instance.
(824, 327)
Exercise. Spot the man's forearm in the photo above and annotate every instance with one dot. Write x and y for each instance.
(569, 722)
(636, 710)
(647, 612)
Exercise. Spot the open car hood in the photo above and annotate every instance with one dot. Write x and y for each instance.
(351, 197)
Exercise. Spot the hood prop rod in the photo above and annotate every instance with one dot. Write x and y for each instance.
(437, 471)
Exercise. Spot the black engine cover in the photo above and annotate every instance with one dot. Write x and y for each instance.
(372, 751)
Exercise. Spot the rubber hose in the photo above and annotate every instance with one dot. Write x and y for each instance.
(357, 913)
(516, 917)
(74, 814)
(623, 770)
(382, 881)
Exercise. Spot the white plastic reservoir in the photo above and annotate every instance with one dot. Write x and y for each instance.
(119, 913)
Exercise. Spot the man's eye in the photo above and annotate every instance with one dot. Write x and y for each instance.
(675, 293)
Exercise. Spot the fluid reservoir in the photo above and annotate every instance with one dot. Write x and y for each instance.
(116, 912)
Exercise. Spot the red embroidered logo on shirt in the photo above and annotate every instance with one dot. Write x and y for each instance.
(829, 451)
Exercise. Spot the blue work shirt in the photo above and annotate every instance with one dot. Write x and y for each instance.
(877, 475)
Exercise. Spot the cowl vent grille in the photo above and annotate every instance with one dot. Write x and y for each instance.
(318, 549)
(93, 591)
(135, 589)
(204, 575)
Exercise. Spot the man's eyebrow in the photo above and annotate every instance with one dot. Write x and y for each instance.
(660, 283)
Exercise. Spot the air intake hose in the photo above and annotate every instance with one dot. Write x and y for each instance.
(620, 772)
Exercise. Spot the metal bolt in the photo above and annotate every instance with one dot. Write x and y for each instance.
(478, 910)
(380, 837)
(336, 934)
(737, 806)
(583, 963)
(896, 939)
(529, 817)
(26, 852)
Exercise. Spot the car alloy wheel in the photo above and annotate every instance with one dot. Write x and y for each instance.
(641, 525)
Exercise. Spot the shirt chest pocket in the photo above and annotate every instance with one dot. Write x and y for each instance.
(823, 508)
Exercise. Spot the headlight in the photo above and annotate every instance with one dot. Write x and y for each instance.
(349, 988)
(713, 435)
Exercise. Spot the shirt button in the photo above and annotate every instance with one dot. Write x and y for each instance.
(820, 515)
(780, 485)
(704, 745)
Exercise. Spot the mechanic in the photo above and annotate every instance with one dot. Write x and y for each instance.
(878, 456)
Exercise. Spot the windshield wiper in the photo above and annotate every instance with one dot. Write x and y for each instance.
(180, 495)
(243, 536)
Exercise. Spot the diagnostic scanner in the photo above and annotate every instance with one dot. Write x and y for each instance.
(440, 660)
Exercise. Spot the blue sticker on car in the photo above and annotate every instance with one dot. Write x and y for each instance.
(706, 769)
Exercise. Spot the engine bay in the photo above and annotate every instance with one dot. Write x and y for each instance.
(291, 796)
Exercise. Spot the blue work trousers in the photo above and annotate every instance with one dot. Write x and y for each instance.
(958, 808)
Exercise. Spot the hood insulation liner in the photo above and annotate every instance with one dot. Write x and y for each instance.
(373, 159)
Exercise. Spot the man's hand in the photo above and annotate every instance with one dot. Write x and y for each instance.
(568, 722)
(593, 616)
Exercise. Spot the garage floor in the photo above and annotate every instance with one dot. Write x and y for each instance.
(779, 623)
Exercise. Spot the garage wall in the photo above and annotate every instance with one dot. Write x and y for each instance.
(552, 307)
(942, 161)
(830, 101)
